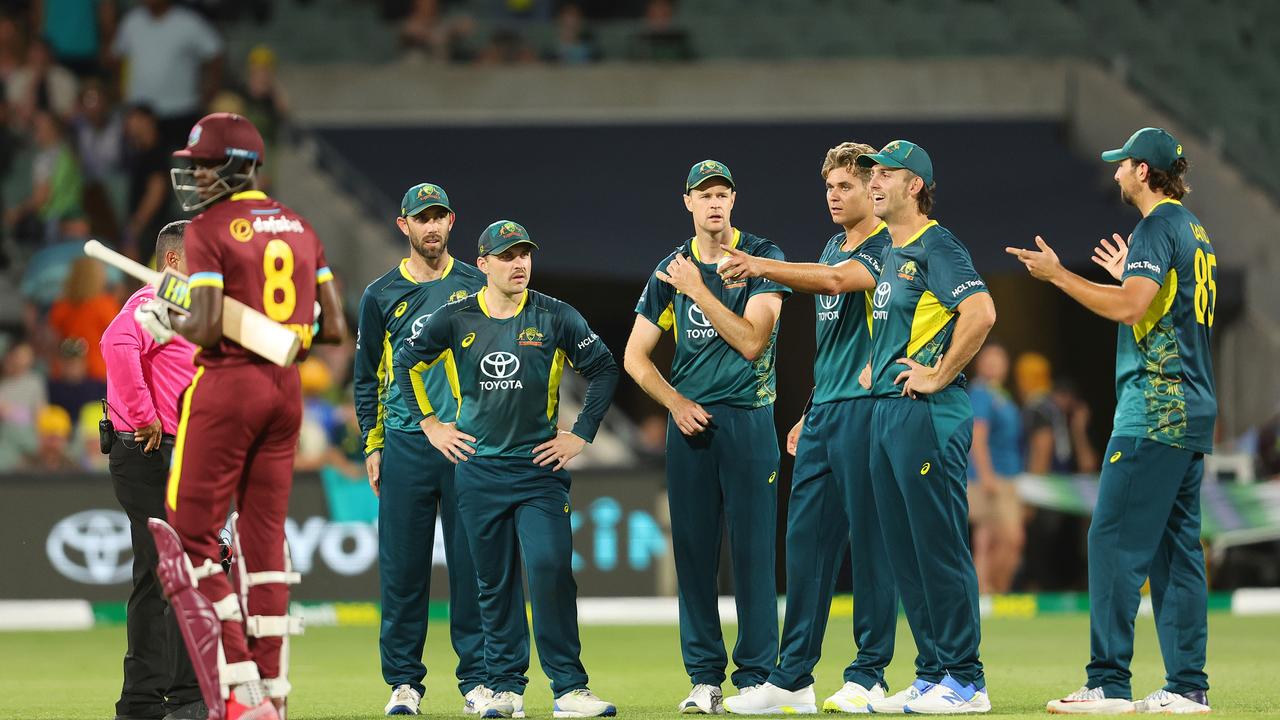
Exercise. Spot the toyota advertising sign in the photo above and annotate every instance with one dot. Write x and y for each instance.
(65, 536)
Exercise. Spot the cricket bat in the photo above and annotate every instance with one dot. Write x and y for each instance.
(242, 324)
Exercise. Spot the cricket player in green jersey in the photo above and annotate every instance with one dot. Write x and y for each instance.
(504, 351)
(412, 481)
(930, 314)
(831, 502)
(722, 447)
(1146, 523)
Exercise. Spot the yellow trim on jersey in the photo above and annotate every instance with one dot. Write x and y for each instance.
(175, 466)
(378, 433)
(931, 316)
(1159, 306)
(553, 383)
(1166, 200)
(404, 270)
(920, 232)
(249, 195)
(866, 296)
(484, 307)
(693, 244)
(882, 226)
(420, 388)
(667, 320)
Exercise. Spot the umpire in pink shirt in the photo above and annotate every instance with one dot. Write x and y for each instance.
(145, 382)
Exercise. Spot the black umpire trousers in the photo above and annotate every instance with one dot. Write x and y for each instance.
(158, 677)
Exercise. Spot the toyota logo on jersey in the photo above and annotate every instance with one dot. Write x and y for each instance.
(501, 366)
(880, 300)
(700, 326)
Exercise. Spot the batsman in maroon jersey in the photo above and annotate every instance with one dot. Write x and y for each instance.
(239, 422)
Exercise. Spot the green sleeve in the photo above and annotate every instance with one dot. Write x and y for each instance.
(950, 274)
(1150, 251)
(588, 354)
(370, 372)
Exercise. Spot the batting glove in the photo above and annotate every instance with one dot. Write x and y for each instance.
(154, 318)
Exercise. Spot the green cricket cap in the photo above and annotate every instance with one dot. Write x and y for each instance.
(501, 235)
(902, 154)
(705, 170)
(1154, 146)
(422, 196)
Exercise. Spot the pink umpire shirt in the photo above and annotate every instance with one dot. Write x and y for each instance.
(144, 378)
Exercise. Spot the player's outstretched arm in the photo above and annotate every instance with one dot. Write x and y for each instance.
(637, 360)
(333, 323)
(204, 325)
(814, 278)
(1126, 303)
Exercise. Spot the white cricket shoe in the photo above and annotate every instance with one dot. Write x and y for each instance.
(853, 698)
(404, 701)
(582, 703)
(896, 703)
(474, 698)
(1090, 701)
(769, 699)
(949, 697)
(1170, 703)
(500, 705)
(703, 700)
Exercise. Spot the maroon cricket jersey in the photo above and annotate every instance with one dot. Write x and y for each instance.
(262, 254)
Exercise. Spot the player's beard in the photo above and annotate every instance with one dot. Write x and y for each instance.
(429, 252)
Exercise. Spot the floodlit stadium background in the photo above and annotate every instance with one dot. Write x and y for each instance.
(581, 123)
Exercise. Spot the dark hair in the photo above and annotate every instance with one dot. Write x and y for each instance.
(1171, 182)
(924, 199)
(143, 108)
(170, 238)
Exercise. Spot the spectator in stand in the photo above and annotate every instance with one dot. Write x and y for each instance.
(174, 62)
(574, 44)
(56, 184)
(13, 47)
(98, 130)
(72, 388)
(423, 33)
(53, 438)
(1268, 456)
(265, 105)
(996, 459)
(22, 397)
(507, 47)
(147, 162)
(76, 30)
(41, 84)
(1056, 420)
(661, 40)
(84, 311)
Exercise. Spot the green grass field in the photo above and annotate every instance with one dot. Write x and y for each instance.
(73, 675)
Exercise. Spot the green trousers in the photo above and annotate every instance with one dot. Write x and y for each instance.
(1147, 525)
(726, 474)
(513, 508)
(832, 507)
(416, 483)
(919, 463)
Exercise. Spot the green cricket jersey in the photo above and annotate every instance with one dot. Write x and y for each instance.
(1164, 368)
(505, 373)
(392, 308)
(706, 369)
(913, 313)
(844, 322)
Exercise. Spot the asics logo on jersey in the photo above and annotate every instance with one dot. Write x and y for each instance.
(1115, 456)
(500, 366)
(925, 468)
(401, 308)
(470, 338)
(880, 300)
(418, 324)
